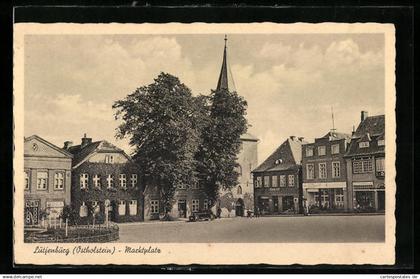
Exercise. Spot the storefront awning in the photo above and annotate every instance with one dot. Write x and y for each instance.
(324, 185)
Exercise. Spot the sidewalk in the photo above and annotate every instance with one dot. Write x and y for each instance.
(326, 214)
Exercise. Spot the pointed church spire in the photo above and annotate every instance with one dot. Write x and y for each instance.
(223, 77)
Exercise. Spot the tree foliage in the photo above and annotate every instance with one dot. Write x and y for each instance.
(217, 154)
(162, 122)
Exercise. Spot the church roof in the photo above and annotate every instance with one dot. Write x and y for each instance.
(225, 78)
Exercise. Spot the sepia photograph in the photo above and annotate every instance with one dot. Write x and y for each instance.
(151, 139)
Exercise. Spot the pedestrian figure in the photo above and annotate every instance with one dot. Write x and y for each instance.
(219, 212)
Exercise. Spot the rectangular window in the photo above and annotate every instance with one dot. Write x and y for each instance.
(335, 169)
(154, 208)
(42, 180)
(274, 181)
(380, 164)
(335, 149)
(266, 181)
(322, 170)
(97, 181)
(310, 172)
(133, 180)
(363, 144)
(110, 181)
(321, 150)
(195, 185)
(258, 182)
(121, 208)
(291, 180)
(362, 165)
(95, 207)
(59, 181)
(195, 205)
(206, 204)
(133, 207)
(309, 151)
(123, 180)
(27, 180)
(282, 181)
(84, 177)
(109, 159)
(381, 142)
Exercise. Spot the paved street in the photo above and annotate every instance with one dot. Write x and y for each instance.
(264, 229)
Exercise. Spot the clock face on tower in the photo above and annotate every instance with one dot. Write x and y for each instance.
(35, 147)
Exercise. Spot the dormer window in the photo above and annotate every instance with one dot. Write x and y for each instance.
(109, 159)
(363, 144)
(381, 142)
(321, 150)
(278, 161)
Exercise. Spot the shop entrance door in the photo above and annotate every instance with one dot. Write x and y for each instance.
(381, 200)
(275, 204)
(287, 203)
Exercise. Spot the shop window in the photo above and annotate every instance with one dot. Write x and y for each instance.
(42, 180)
(325, 200)
(339, 197)
(95, 206)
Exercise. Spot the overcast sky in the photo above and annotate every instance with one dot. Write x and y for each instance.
(289, 81)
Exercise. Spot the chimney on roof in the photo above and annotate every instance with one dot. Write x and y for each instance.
(67, 145)
(363, 115)
(85, 141)
(353, 131)
(293, 138)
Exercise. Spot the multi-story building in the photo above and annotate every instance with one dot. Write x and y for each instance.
(47, 179)
(278, 181)
(324, 172)
(105, 180)
(365, 160)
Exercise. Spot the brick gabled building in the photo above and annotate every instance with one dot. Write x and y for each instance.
(278, 180)
(105, 178)
(365, 161)
(324, 172)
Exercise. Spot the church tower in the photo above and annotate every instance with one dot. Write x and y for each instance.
(239, 199)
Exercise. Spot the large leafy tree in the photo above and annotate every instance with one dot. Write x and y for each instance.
(220, 145)
(163, 122)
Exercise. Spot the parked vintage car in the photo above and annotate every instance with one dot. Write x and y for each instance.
(202, 216)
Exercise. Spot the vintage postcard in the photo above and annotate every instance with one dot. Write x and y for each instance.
(204, 143)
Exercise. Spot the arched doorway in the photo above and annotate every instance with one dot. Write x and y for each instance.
(239, 208)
